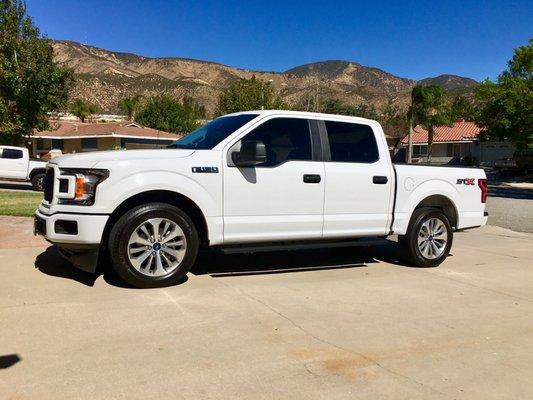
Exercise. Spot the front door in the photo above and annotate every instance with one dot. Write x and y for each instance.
(281, 199)
(359, 182)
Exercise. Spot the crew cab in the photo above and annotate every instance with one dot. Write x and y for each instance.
(249, 178)
(16, 165)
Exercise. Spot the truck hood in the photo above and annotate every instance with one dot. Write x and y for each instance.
(90, 159)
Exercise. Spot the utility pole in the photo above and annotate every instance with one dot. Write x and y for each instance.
(317, 108)
(263, 93)
(410, 138)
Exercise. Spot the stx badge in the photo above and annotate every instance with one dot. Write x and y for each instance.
(466, 181)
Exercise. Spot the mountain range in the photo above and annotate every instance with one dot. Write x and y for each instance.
(105, 77)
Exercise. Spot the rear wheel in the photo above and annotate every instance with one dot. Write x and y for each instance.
(153, 245)
(428, 239)
(37, 181)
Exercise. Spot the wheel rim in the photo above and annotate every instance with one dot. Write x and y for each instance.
(157, 247)
(40, 183)
(432, 238)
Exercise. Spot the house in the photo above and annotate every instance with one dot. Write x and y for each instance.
(76, 137)
(457, 141)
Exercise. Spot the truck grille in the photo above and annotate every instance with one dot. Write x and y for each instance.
(49, 184)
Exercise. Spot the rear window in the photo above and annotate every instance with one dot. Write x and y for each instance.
(349, 142)
(11, 154)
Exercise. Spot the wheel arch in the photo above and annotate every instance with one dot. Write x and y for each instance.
(161, 196)
(443, 203)
(36, 171)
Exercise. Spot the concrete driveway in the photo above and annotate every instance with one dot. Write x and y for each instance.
(342, 323)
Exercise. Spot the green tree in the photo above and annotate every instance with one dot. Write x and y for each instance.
(248, 94)
(170, 115)
(129, 105)
(393, 120)
(83, 109)
(31, 82)
(463, 107)
(429, 108)
(506, 106)
(336, 106)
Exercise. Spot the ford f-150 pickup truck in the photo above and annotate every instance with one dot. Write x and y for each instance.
(247, 178)
(16, 165)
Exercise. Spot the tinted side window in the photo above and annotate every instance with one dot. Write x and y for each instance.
(351, 142)
(285, 139)
(12, 154)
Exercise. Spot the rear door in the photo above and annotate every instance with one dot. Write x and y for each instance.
(13, 164)
(283, 198)
(359, 180)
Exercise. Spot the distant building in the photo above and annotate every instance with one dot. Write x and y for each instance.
(457, 141)
(76, 137)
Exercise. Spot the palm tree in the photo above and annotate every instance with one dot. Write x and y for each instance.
(129, 105)
(429, 108)
(82, 109)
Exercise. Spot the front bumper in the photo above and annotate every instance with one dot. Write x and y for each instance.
(80, 242)
(89, 227)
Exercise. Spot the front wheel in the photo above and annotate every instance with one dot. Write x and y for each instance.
(37, 182)
(429, 238)
(153, 245)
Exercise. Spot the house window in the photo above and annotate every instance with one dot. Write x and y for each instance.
(57, 144)
(456, 150)
(420, 150)
(43, 144)
(453, 150)
(89, 144)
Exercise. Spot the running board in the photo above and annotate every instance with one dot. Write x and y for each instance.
(256, 248)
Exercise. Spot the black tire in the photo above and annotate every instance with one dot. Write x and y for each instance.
(125, 226)
(37, 182)
(409, 242)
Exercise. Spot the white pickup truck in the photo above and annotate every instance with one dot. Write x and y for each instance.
(249, 178)
(15, 165)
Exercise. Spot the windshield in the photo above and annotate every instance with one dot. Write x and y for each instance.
(212, 133)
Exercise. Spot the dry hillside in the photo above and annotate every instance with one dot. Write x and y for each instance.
(105, 77)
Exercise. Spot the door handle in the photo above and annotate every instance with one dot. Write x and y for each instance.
(380, 180)
(311, 178)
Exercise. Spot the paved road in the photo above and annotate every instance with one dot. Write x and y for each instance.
(345, 323)
(510, 205)
(516, 214)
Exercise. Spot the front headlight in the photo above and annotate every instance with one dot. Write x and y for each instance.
(84, 181)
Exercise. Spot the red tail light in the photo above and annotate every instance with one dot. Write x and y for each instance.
(482, 183)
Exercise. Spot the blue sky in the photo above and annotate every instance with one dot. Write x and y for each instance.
(412, 39)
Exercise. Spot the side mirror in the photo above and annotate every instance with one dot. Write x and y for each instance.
(252, 152)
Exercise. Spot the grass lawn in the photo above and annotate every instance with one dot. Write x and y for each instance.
(19, 203)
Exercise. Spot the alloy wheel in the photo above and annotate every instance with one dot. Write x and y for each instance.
(157, 247)
(432, 238)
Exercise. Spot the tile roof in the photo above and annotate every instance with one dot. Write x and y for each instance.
(460, 131)
(65, 130)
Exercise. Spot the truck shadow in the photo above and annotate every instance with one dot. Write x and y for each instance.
(52, 263)
(505, 191)
(217, 264)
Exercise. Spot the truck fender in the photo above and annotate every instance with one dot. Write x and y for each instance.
(423, 191)
(119, 191)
